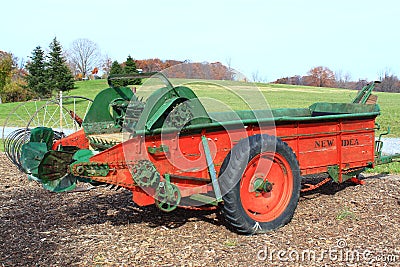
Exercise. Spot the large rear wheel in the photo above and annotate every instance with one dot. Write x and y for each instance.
(261, 182)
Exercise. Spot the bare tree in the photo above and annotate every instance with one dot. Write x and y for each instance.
(255, 77)
(342, 79)
(389, 81)
(84, 55)
(347, 78)
(231, 72)
(106, 65)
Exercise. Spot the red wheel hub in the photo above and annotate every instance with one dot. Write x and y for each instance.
(265, 200)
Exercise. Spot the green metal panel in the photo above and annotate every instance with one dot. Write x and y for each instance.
(245, 115)
(269, 120)
(364, 93)
(165, 99)
(101, 117)
(54, 164)
(334, 173)
(42, 135)
(82, 155)
(64, 184)
(211, 169)
(32, 154)
(321, 109)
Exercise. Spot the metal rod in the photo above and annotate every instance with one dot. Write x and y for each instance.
(181, 177)
(211, 168)
(61, 111)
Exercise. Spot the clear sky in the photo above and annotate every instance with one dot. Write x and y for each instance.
(275, 38)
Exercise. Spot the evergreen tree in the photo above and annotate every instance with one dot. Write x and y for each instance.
(59, 74)
(37, 76)
(116, 69)
(130, 68)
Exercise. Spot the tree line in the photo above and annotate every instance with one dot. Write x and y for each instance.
(324, 77)
(44, 74)
(47, 73)
(39, 78)
(171, 68)
(187, 69)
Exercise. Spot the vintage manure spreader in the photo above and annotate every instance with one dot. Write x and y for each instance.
(170, 152)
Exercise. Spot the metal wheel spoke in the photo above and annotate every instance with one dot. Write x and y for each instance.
(44, 113)
(53, 119)
(27, 111)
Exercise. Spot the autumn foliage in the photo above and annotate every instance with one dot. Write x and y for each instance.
(185, 69)
(318, 76)
(12, 84)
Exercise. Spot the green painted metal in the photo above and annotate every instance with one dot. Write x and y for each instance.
(334, 173)
(165, 99)
(32, 154)
(216, 125)
(107, 110)
(89, 169)
(254, 115)
(387, 159)
(42, 135)
(160, 149)
(364, 93)
(204, 199)
(383, 159)
(145, 174)
(101, 144)
(54, 165)
(46, 166)
(64, 184)
(82, 166)
(262, 186)
(167, 195)
(211, 169)
(82, 155)
(151, 121)
(322, 109)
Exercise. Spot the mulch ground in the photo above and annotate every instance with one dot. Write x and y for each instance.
(346, 225)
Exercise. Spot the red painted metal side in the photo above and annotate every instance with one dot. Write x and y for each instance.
(77, 139)
(347, 143)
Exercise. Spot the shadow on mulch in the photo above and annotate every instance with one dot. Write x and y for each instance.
(38, 222)
(331, 188)
(119, 209)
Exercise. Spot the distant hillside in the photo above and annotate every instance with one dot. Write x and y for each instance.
(184, 69)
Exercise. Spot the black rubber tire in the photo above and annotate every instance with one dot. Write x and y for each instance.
(230, 176)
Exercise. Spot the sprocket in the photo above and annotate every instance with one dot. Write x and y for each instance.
(167, 196)
(133, 113)
(180, 115)
(145, 174)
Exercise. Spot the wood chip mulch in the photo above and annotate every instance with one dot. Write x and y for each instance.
(346, 225)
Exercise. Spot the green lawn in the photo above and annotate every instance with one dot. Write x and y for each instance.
(89, 88)
(277, 96)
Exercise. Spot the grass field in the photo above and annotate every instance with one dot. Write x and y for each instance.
(277, 96)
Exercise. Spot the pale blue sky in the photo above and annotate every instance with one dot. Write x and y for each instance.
(276, 38)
